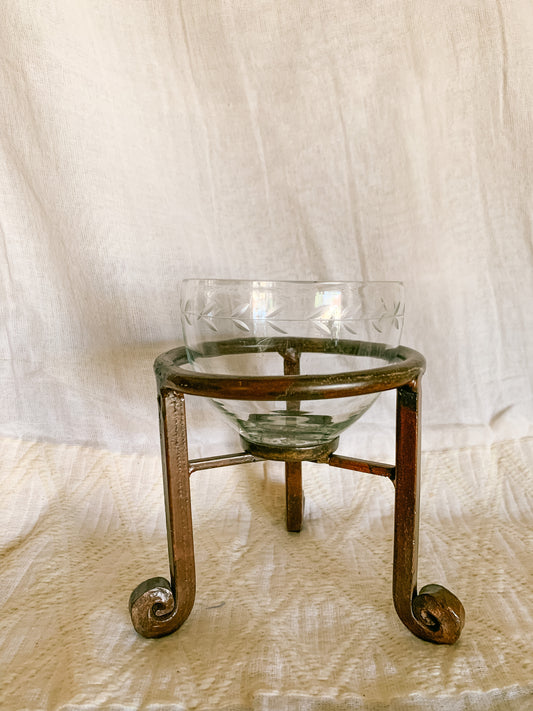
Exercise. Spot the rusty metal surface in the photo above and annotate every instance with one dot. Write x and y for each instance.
(157, 607)
(226, 460)
(435, 614)
(314, 453)
(362, 465)
(401, 365)
(294, 494)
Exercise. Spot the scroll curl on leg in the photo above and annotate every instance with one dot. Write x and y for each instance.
(440, 612)
(157, 607)
(153, 608)
(433, 614)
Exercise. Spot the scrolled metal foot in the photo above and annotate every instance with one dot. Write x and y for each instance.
(157, 607)
(434, 613)
(153, 608)
(441, 614)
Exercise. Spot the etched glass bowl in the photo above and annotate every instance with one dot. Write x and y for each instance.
(290, 327)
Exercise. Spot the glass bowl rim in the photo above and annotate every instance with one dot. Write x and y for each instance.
(304, 282)
(266, 284)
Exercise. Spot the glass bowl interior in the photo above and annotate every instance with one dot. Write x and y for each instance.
(254, 328)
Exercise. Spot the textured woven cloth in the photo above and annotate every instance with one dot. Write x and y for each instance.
(145, 142)
(282, 622)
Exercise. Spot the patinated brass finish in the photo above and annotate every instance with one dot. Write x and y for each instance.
(159, 607)
(316, 453)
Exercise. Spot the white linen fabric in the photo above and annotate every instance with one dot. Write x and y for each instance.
(145, 142)
(291, 622)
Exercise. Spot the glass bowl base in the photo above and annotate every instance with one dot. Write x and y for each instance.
(311, 453)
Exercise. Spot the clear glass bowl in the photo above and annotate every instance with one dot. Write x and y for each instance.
(267, 319)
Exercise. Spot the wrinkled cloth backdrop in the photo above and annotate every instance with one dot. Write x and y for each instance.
(145, 142)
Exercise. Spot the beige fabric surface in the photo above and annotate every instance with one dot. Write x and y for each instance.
(144, 142)
(281, 621)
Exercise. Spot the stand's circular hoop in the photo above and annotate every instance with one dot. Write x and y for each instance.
(403, 365)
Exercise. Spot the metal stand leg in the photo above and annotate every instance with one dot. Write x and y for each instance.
(158, 607)
(294, 495)
(435, 614)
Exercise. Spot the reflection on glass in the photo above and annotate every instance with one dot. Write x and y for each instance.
(329, 304)
(267, 318)
(262, 300)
